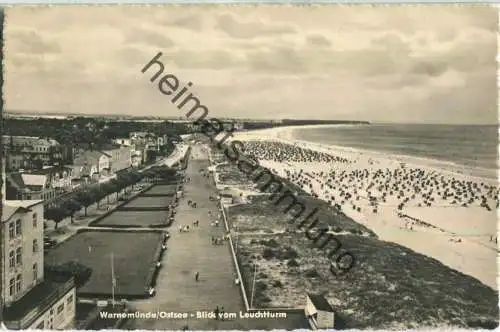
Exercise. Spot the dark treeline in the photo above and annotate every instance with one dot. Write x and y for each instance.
(248, 125)
(88, 130)
(290, 122)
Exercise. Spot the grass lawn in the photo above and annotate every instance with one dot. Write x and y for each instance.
(133, 219)
(84, 313)
(135, 254)
(149, 202)
(390, 286)
(165, 189)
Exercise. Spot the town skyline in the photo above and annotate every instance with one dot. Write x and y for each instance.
(309, 62)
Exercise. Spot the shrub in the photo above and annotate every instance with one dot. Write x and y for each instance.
(272, 243)
(311, 273)
(78, 271)
(268, 254)
(260, 286)
(277, 284)
(292, 263)
(288, 253)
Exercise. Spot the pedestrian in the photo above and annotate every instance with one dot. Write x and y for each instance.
(222, 312)
(217, 223)
(197, 276)
(216, 312)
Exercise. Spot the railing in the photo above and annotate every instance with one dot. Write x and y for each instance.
(233, 253)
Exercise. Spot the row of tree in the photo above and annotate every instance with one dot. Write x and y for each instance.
(97, 131)
(84, 198)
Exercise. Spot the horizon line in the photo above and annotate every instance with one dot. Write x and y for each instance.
(167, 118)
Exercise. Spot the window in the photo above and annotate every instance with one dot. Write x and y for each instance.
(11, 230)
(35, 245)
(12, 259)
(19, 280)
(60, 308)
(11, 287)
(18, 227)
(69, 301)
(19, 256)
(35, 272)
(34, 220)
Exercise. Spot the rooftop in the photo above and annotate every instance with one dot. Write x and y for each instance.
(12, 206)
(8, 211)
(36, 301)
(27, 203)
(34, 179)
(320, 302)
(50, 170)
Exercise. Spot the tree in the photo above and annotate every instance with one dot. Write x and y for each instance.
(118, 185)
(109, 188)
(85, 199)
(149, 174)
(81, 273)
(97, 194)
(72, 206)
(56, 214)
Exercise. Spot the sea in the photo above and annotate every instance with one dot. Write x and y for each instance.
(474, 147)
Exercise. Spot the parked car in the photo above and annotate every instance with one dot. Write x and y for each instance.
(48, 242)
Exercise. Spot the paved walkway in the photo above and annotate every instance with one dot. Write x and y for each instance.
(192, 252)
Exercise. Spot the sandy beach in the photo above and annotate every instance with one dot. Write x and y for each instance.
(424, 205)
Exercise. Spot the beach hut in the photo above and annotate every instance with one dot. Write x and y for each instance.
(319, 312)
(227, 195)
(226, 198)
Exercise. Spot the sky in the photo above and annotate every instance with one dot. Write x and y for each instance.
(409, 64)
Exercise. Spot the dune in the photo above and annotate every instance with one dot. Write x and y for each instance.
(425, 205)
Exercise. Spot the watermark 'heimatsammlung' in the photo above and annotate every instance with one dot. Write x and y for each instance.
(168, 84)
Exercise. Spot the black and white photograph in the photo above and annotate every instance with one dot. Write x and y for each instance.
(249, 167)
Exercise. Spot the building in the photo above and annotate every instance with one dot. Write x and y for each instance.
(58, 177)
(120, 157)
(136, 158)
(319, 312)
(30, 299)
(27, 152)
(226, 199)
(27, 186)
(92, 164)
(123, 141)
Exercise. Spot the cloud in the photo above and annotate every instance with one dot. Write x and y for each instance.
(432, 69)
(192, 22)
(30, 41)
(148, 37)
(318, 40)
(400, 63)
(238, 28)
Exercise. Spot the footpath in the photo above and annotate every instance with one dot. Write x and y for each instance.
(191, 252)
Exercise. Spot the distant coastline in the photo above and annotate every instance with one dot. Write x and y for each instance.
(290, 135)
(254, 122)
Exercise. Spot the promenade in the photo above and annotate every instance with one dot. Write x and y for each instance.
(191, 252)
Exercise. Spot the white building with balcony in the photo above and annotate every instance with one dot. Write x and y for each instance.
(30, 299)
